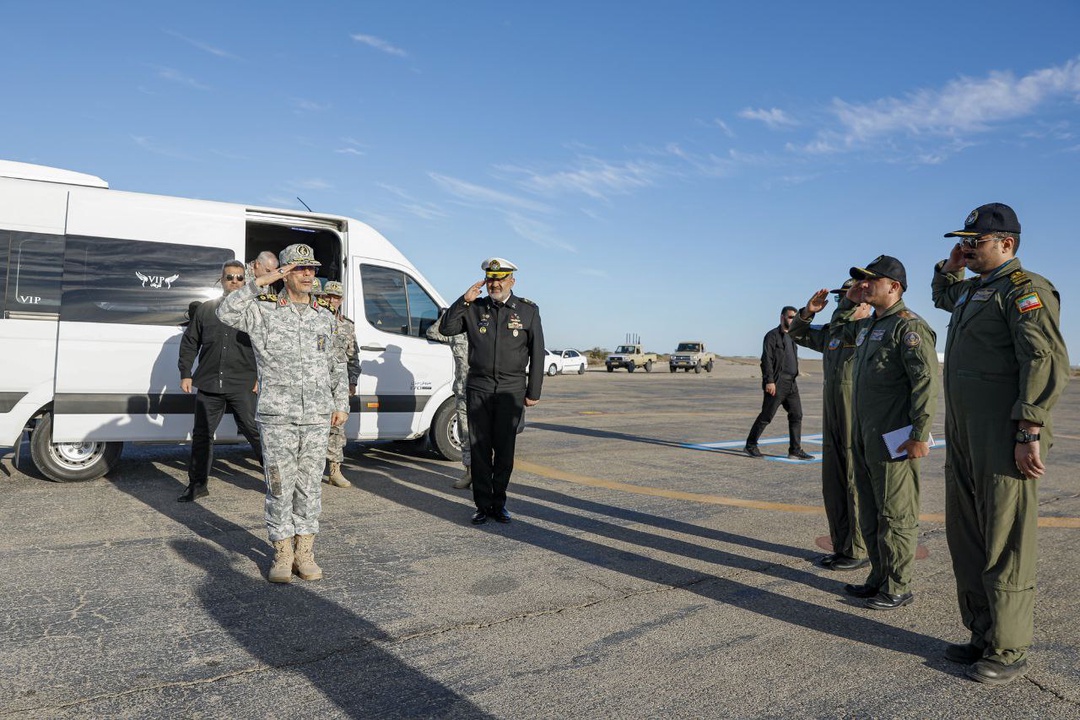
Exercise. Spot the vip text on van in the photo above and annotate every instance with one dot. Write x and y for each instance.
(95, 285)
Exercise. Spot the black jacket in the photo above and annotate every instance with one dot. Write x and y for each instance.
(226, 360)
(779, 356)
(503, 339)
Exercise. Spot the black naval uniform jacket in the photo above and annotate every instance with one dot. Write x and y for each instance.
(226, 359)
(503, 339)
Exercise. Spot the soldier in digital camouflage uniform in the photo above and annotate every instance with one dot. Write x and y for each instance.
(836, 342)
(303, 390)
(1006, 364)
(346, 348)
(459, 347)
(895, 378)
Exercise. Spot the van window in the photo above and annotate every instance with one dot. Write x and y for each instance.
(137, 282)
(33, 274)
(396, 303)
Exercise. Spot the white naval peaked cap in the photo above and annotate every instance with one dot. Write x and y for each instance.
(497, 267)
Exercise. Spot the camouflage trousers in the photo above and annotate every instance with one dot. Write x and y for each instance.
(460, 407)
(335, 448)
(293, 458)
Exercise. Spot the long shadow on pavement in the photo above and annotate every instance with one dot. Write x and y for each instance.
(291, 629)
(771, 604)
(607, 434)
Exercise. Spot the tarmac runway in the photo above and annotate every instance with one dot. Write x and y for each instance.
(651, 570)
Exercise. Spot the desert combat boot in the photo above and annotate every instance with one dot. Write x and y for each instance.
(304, 559)
(335, 478)
(281, 570)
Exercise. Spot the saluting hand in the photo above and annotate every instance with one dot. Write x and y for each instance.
(818, 301)
(273, 277)
(956, 259)
(474, 292)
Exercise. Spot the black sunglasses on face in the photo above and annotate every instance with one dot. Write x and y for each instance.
(233, 277)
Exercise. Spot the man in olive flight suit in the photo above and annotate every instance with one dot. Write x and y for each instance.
(1005, 366)
(895, 379)
(505, 336)
(836, 342)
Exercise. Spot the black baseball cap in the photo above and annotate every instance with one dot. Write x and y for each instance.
(993, 217)
(842, 290)
(883, 266)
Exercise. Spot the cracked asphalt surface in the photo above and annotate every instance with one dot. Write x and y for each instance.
(596, 602)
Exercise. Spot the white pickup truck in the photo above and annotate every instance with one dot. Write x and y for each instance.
(630, 357)
(691, 356)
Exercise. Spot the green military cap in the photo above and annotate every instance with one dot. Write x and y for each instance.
(333, 287)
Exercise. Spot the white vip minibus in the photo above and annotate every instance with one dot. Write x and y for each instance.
(94, 289)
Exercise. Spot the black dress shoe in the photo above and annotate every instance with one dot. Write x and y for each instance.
(499, 515)
(479, 517)
(885, 601)
(828, 560)
(799, 454)
(964, 654)
(861, 591)
(995, 673)
(193, 492)
(843, 562)
(752, 451)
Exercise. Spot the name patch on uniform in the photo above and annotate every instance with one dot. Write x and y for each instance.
(862, 336)
(983, 295)
(834, 343)
(877, 335)
(912, 339)
(1029, 302)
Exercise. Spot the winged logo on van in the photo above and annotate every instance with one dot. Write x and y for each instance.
(157, 281)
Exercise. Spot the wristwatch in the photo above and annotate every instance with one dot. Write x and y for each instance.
(1023, 437)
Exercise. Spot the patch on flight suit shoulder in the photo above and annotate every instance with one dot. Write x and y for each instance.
(912, 339)
(983, 294)
(1027, 303)
(1019, 277)
(834, 343)
(273, 478)
(268, 297)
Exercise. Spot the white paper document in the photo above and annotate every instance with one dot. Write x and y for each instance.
(893, 441)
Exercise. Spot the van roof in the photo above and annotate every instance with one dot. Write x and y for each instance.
(43, 173)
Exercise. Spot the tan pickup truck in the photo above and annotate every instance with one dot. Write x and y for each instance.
(630, 357)
(691, 356)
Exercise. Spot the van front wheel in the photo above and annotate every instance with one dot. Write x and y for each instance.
(70, 461)
(444, 433)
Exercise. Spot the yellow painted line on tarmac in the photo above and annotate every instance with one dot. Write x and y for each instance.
(705, 498)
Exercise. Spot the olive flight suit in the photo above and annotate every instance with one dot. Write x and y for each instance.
(1005, 361)
(895, 383)
(836, 342)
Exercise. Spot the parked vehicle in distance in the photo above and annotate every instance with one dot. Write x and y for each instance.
(691, 355)
(565, 361)
(631, 357)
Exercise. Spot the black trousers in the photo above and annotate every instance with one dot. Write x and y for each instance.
(209, 408)
(787, 395)
(493, 428)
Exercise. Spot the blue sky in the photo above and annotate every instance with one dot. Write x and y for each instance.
(678, 170)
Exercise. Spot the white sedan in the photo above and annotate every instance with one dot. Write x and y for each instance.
(565, 361)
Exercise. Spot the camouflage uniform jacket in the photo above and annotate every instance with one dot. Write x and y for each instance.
(301, 379)
(459, 347)
(347, 350)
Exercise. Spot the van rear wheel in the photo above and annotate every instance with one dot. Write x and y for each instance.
(71, 461)
(444, 435)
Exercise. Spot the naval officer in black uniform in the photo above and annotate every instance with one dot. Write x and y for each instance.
(505, 336)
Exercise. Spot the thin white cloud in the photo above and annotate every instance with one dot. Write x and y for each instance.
(305, 105)
(218, 52)
(379, 44)
(352, 147)
(349, 151)
(537, 232)
(774, 118)
(593, 177)
(476, 193)
(724, 126)
(151, 145)
(173, 75)
(312, 184)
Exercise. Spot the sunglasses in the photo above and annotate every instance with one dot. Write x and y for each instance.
(973, 242)
(233, 277)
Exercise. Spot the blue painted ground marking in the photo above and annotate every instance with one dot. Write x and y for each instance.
(807, 439)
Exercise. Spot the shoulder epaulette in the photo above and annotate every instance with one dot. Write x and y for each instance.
(527, 301)
(906, 314)
(323, 303)
(268, 297)
(1019, 278)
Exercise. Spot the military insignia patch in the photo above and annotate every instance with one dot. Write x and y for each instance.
(862, 336)
(283, 302)
(912, 339)
(483, 330)
(983, 295)
(1029, 302)
(834, 343)
(268, 297)
(1019, 277)
(971, 218)
(877, 335)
